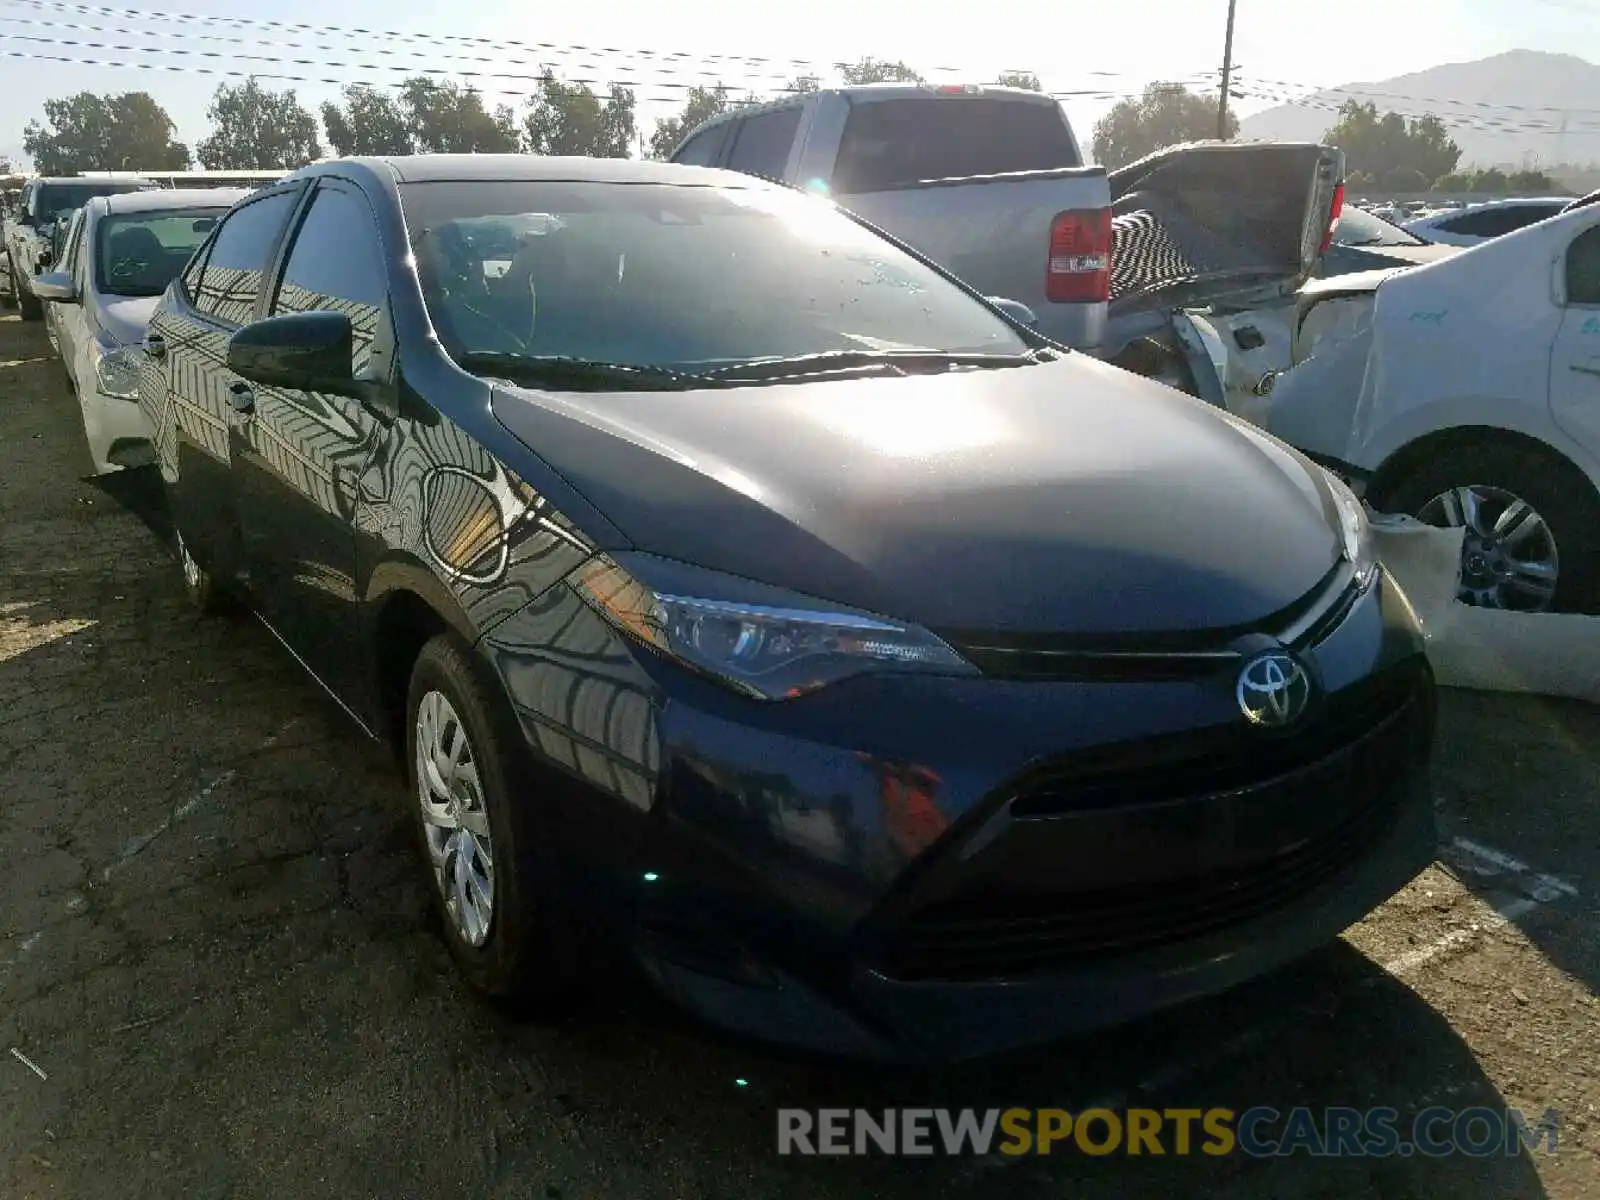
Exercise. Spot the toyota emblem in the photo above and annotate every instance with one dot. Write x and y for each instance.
(1273, 690)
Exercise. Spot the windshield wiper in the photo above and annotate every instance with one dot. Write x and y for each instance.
(903, 361)
(579, 374)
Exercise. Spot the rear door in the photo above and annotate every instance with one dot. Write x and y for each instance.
(297, 458)
(1575, 357)
(188, 341)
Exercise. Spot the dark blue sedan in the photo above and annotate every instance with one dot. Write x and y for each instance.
(755, 604)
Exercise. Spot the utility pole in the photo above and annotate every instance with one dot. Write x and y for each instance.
(1227, 76)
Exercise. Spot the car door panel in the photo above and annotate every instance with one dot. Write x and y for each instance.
(297, 459)
(1575, 356)
(219, 292)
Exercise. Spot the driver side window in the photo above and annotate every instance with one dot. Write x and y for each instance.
(335, 265)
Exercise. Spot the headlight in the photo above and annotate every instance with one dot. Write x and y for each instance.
(117, 372)
(761, 641)
(1355, 530)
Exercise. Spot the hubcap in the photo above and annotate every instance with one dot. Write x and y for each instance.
(1508, 556)
(455, 818)
(191, 569)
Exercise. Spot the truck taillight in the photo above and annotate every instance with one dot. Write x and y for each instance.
(1333, 218)
(1079, 267)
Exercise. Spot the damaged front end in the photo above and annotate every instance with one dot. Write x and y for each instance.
(1217, 225)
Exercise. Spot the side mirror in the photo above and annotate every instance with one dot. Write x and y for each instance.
(57, 286)
(26, 218)
(46, 257)
(1016, 310)
(307, 351)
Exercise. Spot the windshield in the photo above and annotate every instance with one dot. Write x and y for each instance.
(669, 276)
(58, 198)
(138, 254)
(1357, 228)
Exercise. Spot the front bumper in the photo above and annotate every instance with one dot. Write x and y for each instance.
(929, 869)
(116, 430)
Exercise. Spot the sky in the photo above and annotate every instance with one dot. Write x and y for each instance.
(1075, 47)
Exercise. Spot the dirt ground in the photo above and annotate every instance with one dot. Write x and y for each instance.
(215, 948)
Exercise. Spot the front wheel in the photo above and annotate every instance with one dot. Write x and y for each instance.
(206, 595)
(1530, 524)
(500, 914)
(32, 307)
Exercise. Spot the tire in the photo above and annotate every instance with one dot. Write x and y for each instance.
(1557, 491)
(32, 307)
(519, 954)
(206, 596)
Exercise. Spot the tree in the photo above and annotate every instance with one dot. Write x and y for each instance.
(1166, 114)
(802, 84)
(877, 70)
(446, 118)
(256, 129)
(1380, 146)
(130, 132)
(700, 104)
(568, 118)
(371, 122)
(1020, 79)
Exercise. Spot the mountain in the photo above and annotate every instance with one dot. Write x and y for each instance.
(1507, 110)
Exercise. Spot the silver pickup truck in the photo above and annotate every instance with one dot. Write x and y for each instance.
(989, 182)
(27, 236)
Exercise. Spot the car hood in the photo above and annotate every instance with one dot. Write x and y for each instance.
(123, 319)
(1070, 496)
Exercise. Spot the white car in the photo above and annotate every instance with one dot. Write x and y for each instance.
(1467, 393)
(1483, 222)
(122, 253)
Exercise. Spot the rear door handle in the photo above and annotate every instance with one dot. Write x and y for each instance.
(155, 345)
(241, 398)
(1589, 368)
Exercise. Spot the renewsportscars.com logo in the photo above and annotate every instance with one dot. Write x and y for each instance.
(1259, 1132)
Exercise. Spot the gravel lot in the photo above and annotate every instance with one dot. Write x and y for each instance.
(216, 947)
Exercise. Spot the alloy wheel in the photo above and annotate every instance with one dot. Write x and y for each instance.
(1509, 558)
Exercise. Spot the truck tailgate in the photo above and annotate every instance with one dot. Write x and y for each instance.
(1195, 222)
(993, 232)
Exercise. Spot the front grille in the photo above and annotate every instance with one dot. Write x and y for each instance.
(994, 929)
(1154, 656)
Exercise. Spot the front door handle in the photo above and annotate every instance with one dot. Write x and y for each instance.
(1588, 368)
(155, 345)
(241, 397)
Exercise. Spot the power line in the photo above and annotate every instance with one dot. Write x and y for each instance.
(221, 71)
(801, 64)
(1354, 92)
(1481, 124)
(428, 55)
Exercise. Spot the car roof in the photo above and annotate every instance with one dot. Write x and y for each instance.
(533, 168)
(167, 199)
(93, 180)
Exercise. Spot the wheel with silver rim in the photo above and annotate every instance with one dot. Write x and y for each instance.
(1530, 520)
(1509, 557)
(485, 856)
(455, 817)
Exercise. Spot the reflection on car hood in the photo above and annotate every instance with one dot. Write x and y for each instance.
(124, 318)
(1070, 496)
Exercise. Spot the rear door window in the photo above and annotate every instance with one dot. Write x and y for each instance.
(243, 245)
(762, 144)
(894, 143)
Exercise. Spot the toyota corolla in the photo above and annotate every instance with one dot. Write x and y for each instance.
(748, 595)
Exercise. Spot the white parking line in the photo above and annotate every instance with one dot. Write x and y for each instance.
(138, 842)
